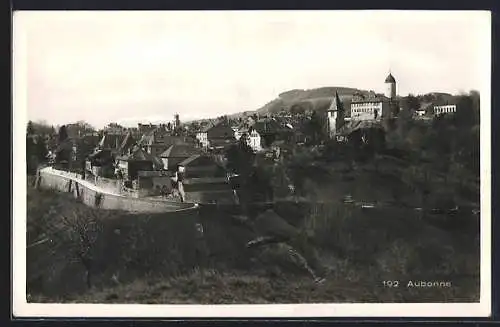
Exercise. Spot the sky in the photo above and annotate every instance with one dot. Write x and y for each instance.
(130, 67)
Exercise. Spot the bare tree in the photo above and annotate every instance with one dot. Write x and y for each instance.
(83, 229)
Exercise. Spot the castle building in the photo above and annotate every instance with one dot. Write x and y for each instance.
(374, 107)
(335, 116)
(369, 108)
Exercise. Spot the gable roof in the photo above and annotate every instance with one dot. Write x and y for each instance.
(266, 126)
(190, 159)
(205, 128)
(180, 151)
(147, 138)
(127, 142)
(110, 141)
(138, 154)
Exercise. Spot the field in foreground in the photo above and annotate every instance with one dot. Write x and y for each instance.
(158, 259)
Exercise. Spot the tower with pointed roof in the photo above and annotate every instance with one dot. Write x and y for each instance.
(335, 116)
(390, 86)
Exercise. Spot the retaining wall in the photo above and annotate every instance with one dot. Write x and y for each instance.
(92, 196)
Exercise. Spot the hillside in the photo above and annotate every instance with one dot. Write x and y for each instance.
(319, 99)
(156, 259)
(313, 99)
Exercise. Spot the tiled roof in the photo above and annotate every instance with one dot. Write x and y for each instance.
(110, 141)
(180, 151)
(186, 162)
(127, 143)
(267, 126)
(138, 154)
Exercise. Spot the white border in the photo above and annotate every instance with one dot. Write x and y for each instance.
(22, 308)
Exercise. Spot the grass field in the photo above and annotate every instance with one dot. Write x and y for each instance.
(159, 259)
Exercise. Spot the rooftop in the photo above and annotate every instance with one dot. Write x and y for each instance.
(180, 151)
(390, 79)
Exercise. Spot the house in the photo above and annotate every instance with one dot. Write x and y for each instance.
(254, 140)
(152, 142)
(372, 107)
(375, 106)
(110, 141)
(176, 153)
(116, 129)
(425, 109)
(201, 166)
(100, 163)
(138, 160)
(84, 146)
(127, 144)
(146, 128)
(445, 109)
(269, 130)
(202, 136)
(205, 181)
(156, 142)
(220, 135)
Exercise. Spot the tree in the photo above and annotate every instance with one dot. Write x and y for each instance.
(82, 232)
(411, 102)
(240, 159)
(466, 115)
(314, 128)
(63, 134)
(30, 130)
(297, 109)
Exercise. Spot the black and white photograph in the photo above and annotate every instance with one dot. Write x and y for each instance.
(251, 163)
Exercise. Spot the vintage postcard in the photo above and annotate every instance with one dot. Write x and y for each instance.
(251, 164)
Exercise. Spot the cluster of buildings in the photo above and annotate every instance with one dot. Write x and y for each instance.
(261, 134)
(156, 163)
(368, 111)
(147, 158)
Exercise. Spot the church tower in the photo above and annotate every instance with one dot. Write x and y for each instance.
(335, 116)
(390, 87)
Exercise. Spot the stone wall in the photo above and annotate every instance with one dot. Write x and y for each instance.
(92, 197)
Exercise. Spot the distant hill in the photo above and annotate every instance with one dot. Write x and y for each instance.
(318, 99)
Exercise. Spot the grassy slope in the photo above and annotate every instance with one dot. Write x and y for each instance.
(315, 99)
(154, 259)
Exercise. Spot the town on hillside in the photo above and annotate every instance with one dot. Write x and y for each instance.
(202, 161)
(349, 186)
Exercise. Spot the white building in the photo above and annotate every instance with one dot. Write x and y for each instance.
(252, 136)
(374, 107)
(335, 116)
(254, 140)
(202, 137)
(369, 109)
(446, 109)
(237, 132)
(420, 112)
